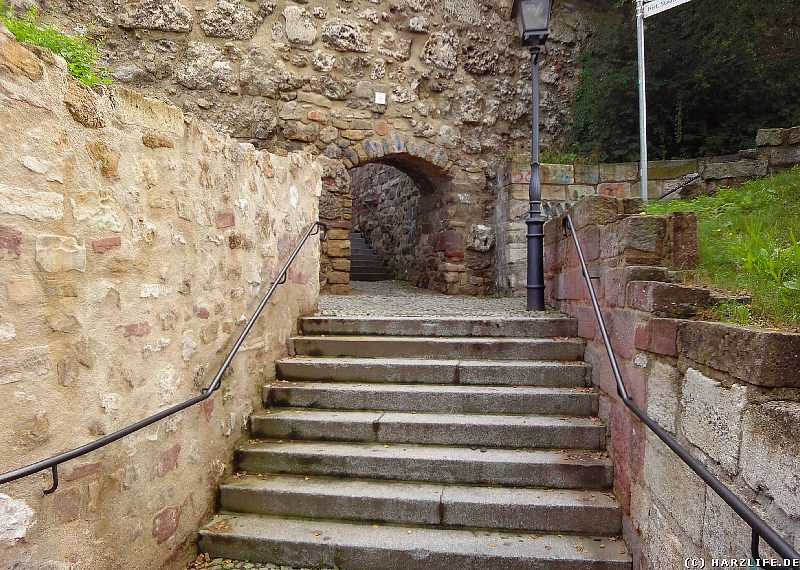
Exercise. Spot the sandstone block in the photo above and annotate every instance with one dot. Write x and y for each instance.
(20, 290)
(136, 329)
(638, 239)
(785, 156)
(670, 169)
(578, 191)
(614, 189)
(97, 209)
(587, 174)
(337, 248)
(665, 474)
(82, 105)
(769, 137)
(772, 357)
(67, 506)
(666, 299)
(664, 394)
(163, 15)
(32, 204)
(620, 172)
(739, 169)
(60, 253)
(18, 60)
(557, 174)
(712, 417)
(153, 141)
(80, 471)
(769, 438)
(338, 278)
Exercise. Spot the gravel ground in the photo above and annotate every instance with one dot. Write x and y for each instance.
(399, 299)
(204, 563)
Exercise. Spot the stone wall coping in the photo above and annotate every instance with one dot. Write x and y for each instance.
(757, 356)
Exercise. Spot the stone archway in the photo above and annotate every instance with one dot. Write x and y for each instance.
(457, 247)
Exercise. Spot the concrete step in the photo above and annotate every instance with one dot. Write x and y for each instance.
(542, 432)
(434, 398)
(573, 469)
(361, 546)
(543, 510)
(429, 347)
(435, 371)
(541, 327)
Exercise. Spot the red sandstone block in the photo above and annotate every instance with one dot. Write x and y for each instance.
(102, 245)
(454, 255)
(341, 224)
(594, 210)
(169, 459)
(684, 240)
(10, 242)
(381, 129)
(299, 276)
(81, 471)
(165, 523)
(614, 189)
(67, 505)
(225, 220)
(208, 408)
(666, 299)
(201, 312)
(659, 336)
(448, 240)
(622, 332)
(136, 329)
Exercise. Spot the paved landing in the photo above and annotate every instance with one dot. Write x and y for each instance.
(400, 299)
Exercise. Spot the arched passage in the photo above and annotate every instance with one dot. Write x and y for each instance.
(452, 250)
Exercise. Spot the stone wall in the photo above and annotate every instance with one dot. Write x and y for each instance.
(134, 241)
(729, 394)
(386, 208)
(399, 81)
(564, 184)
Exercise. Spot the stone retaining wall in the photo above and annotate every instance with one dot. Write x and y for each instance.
(729, 394)
(564, 184)
(134, 241)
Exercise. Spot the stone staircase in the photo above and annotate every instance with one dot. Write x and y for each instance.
(425, 443)
(365, 264)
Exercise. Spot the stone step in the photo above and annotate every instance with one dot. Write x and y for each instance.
(361, 546)
(533, 327)
(574, 469)
(432, 371)
(370, 277)
(543, 510)
(486, 430)
(434, 398)
(361, 266)
(354, 257)
(428, 347)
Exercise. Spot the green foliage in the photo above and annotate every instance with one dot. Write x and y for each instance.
(717, 71)
(79, 51)
(748, 242)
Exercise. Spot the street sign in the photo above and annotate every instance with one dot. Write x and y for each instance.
(657, 6)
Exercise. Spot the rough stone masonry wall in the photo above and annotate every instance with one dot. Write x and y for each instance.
(729, 394)
(298, 75)
(386, 208)
(564, 184)
(133, 242)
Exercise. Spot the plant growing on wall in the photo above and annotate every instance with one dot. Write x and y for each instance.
(717, 71)
(79, 51)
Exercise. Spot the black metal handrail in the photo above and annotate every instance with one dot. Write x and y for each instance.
(56, 460)
(760, 529)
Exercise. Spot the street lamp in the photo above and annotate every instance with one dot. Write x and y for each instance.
(533, 21)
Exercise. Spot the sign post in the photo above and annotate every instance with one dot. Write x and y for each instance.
(640, 7)
(645, 9)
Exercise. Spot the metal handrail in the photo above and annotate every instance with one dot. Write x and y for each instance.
(760, 529)
(54, 461)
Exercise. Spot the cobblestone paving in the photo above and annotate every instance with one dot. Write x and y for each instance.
(203, 563)
(399, 299)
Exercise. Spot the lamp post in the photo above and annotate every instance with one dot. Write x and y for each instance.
(533, 21)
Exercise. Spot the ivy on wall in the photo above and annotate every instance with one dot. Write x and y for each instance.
(717, 71)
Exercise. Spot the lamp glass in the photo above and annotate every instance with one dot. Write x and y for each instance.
(533, 16)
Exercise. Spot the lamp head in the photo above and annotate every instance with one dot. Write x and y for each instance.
(533, 18)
